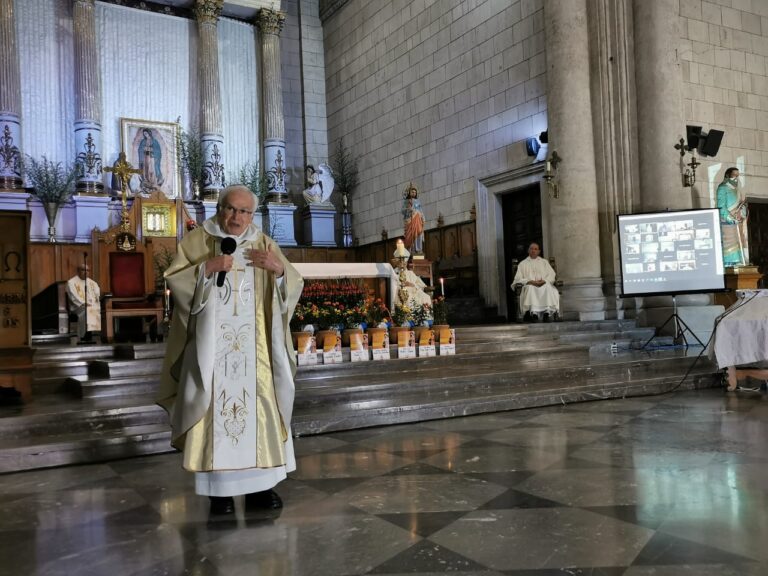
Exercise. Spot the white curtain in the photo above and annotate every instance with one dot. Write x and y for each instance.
(148, 64)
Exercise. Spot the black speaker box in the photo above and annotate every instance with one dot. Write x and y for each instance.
(711, 143)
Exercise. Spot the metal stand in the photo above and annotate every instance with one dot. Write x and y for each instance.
(680, 328)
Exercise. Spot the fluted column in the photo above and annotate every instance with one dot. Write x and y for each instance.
(211, 133)
(270, 23)
(615, 127)
(661, 124)
(573, 216)
(88, 97)
(659, 104)
(11, 177)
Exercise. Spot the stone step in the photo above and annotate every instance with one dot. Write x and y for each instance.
(45, 354)
(86, 447)
(124, 368)
(418, 407)
(50, 378)
(53, 421)
(587, 326)
(86, 387)
(479, 360)
(140, 351)
(338, 392)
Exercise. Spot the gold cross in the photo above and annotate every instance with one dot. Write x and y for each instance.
(124, 171)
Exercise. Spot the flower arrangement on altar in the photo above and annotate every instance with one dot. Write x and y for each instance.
(331, 304)
(439, 310)
(377, 312)
(422, 314)
(402, 315)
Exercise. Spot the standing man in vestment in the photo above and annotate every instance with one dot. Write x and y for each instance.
(80, 289)
(733, 220)
(227, 380)
(539, 295)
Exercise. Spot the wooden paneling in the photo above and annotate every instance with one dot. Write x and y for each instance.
(55, 262)
(319, 255)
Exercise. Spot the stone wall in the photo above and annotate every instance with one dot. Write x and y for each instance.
(724, 53)
(436, 92)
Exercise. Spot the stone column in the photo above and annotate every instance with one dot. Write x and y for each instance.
(615, 127)
(270, 24)
(211, 133)
(88, 98)
(659, 104)
(660, 108)
(278, 213)
(11, 177)
(573, 216)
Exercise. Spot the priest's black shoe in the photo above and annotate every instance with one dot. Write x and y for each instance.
(221, 505)
(265, 500)
(527, 317)
(547, 317)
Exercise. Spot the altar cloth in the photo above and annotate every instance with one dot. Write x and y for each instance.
(741, 337)
(337, 270)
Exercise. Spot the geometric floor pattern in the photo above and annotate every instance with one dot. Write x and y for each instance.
(671, 485)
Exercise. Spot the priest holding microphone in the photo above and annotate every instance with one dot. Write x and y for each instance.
(227, 380)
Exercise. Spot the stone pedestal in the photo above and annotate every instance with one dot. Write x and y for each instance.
(319, 225)
(208, 208)
(90, 212)
(277, 223)
(13, 200)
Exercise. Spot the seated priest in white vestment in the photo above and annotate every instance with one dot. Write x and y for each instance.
(538, 297)
(227, 380)
(415, 286)
(81, 289)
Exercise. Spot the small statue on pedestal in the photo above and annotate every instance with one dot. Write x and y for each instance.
(321, 185)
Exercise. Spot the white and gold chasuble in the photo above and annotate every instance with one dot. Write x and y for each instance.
(227, 379)
(243, 422)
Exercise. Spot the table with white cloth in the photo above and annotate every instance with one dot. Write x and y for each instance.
(337, 270)
(741, 337)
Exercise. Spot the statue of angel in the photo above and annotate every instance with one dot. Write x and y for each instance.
(321, 185)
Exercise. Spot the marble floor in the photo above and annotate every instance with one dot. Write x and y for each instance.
(670, 485)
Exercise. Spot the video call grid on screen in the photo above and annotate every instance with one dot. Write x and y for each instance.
(671, 252)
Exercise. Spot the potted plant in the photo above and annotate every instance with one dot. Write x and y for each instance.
(345, 175)
(252, 178)
(53, 184)
(402, 316)
(190, 145)
(439, 315)
(377, 315)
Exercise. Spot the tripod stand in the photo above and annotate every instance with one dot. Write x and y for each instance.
(679, 325)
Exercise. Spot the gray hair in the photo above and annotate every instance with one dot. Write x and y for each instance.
(237, 188)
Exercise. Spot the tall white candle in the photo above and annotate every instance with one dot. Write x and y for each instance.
(442, 287)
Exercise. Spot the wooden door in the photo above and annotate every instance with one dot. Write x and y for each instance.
(521, 212)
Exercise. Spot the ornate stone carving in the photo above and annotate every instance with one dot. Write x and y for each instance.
(208, 10)
(270, 21)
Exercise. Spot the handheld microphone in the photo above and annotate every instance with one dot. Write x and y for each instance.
(228, 246)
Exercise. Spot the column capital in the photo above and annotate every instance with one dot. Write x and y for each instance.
(208, 11)
(270, 21)
(86, 3)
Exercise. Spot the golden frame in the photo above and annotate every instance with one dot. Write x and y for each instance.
(163, 137)
(158, 219)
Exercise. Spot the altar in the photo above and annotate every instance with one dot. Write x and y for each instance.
(380, 276)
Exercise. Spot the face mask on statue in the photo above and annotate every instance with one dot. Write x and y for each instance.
(733, 182)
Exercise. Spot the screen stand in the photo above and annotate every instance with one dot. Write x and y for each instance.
(680, 328)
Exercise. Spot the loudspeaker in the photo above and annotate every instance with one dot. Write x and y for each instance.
(709, 144)
(544, 137)
(692, 134)
(531, 146)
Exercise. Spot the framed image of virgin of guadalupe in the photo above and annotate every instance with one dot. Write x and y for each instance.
(151, 147)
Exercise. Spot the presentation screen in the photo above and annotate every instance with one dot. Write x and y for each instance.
(671, 252)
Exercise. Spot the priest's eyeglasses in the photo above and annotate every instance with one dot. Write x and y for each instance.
(231, 210)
